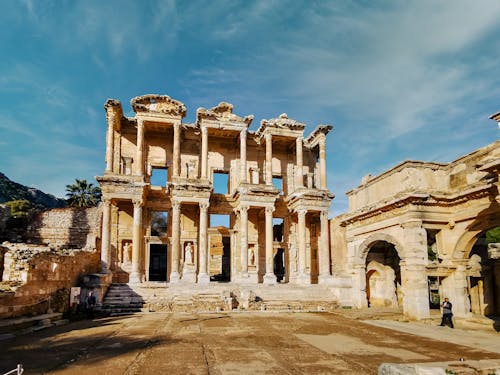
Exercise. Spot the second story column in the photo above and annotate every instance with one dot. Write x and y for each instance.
(110, 140)
(299, 178)
(176, 150)
(324, 249)
(203, 276)
(243, 156)
(269, 159)
(302, 277)
(269, 277)
(322, 161)
(135, 275)
(176, 241)
(140, 148)
(105, 236)
(204, 152)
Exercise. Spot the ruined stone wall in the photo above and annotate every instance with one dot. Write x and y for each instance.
(34, 273)
(75, 228)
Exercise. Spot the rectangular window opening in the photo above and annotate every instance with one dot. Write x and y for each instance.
(278, 183)
(221, 182)
(159, 176)
(159, 223)
(278, 224)
(217, 220)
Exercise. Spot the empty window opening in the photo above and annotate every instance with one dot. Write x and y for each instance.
(278, 183)
(219, 221)
(159, 221)
(221, 182)
(278, 229)
(159, 176)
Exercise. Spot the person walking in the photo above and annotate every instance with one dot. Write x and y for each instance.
(447, 313)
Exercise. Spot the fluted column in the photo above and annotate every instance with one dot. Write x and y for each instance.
(299, 178)
(203, 276)
(269, 277)
(302, 277)
(269, 159)
(176, 151)
(135, 276)
(105, 236)
(204, 152)
(322, 161)
(110, 140)
(176, 241)
(140, 148)
(243, 156)
(244, 241)
(324, 249)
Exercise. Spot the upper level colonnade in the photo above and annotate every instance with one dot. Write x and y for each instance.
(156, 137)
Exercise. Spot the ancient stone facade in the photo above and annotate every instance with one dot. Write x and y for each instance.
(274, 197)
(415, 234)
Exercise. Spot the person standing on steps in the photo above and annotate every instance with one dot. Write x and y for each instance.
(91, 302)
(447, 314)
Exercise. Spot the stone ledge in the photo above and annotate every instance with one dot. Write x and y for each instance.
(485, 366)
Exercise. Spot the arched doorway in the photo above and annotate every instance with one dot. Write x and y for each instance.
(483, 270)
(383, 275)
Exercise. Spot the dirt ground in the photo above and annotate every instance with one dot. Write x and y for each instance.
(229, 343)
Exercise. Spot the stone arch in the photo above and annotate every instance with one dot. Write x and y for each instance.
(365, 246)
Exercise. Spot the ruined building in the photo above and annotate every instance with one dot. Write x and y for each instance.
(168, 186)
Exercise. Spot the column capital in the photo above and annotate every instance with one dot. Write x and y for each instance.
(203, 206)
(204, 130)
(106, 201)
(243, 133)
(137, 202)
(140, 122)
(269, 137)
(301, 211)
(243, 207)
(324, 215)
(176, 205)
(270, 210)
(299, 139)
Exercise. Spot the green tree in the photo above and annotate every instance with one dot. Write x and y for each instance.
(493, 235)
(19, 208)
(83, 194)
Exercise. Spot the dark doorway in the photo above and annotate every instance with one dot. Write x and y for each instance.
(157, 262)
(279, 265)
(226, 259)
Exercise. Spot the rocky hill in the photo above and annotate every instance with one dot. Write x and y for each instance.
(10, 190)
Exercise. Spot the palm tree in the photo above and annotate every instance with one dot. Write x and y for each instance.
(83, 194)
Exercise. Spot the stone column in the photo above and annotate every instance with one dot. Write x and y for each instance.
(322, 161)
(413, 273)
(176, 150)
(140, 148)
(135, 275)
(302, 277)
(324, 250)
(244, 241)
(269, 159)
(176, 242)
(461, 302)
(110, 139)
(203, 276)
(269, 277)
(204, 152)
(106, 233)
(299, 177)
(243, 156)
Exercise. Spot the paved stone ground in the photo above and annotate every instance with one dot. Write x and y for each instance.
(233, 343)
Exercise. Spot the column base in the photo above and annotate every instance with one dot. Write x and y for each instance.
(302, 279)
(325, 279)
(247, 278)
(203, 278)
(174, 278)
(134, 277)
(270, 279)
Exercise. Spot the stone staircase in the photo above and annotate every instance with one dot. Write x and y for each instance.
(121, 300)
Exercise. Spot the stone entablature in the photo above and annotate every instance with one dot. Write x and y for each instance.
(219, 142)
(436, 179)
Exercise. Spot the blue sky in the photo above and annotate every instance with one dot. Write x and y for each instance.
(397, 79)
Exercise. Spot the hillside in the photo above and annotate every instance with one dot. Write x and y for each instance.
(10, 190)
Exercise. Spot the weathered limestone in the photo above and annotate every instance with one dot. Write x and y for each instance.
(183, 245)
